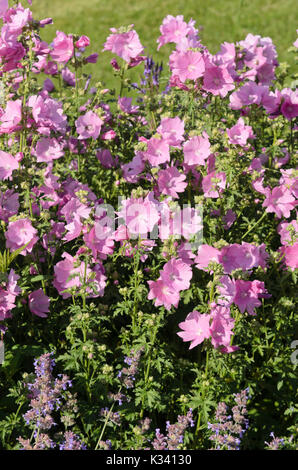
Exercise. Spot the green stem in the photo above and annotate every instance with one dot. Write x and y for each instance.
(255, 225)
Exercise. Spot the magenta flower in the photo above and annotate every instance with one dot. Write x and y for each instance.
(280, 201)
(163, 294)
(20, 232)
(125, 45)
(7, 165)
(196, 150)
(62, 47)
(239, 133)
(39, 303)
(48, 149)
(171, 182)
(187, 65)
(195, 328)
(88, 125)
(176, 274)
(82, 42)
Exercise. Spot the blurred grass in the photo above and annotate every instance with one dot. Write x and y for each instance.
(222, 20)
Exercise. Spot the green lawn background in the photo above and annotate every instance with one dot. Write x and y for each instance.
(222, 20)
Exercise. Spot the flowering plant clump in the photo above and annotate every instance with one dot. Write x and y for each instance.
(148, 242)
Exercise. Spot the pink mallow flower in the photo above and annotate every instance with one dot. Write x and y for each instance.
(62, 47)
(196, 328)
(163, 294)
(173, 29)
(157, 152)
(187, 65)
(11, 117)
(171, 182)
(20, 232)
(39, 303)
(196, 150)
(48, 149)
(176, 274)
(8, 295)
(206, 255)
(214, 184)
(172, 130)
(239, 133)
(289, 256)
(125, 45)
(88, 125)
(7, 165)
(217, 80)
(221, 329)
(280, 201)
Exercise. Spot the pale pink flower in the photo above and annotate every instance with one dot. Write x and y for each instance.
(171, 182)
(239, 133)
(187, 65)
(20, 232)
(214, 184)
(48, 149)
(206, 255)
(11, 117)
(288, 232)
(48, 114)
(88, 125)
(173, 29)
(221, 328)
(125, 45)
(3, 7)
(196, 150)
(280, 201)
(39, 303)
(62, 47)
(140, 215)
(163, 294)
(195, 328)
(157, 152)
(172, 130)
(7, 165)
(176, 274)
